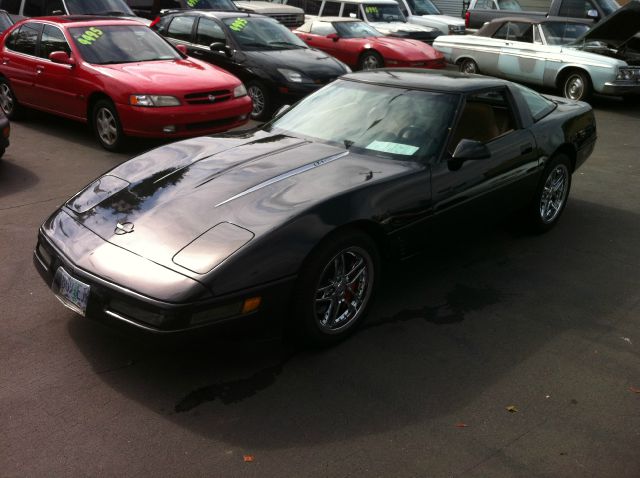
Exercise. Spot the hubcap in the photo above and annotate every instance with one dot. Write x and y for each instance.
(106, 126)
(370, 62)
(257, 95)
(574, 88)
(468, 67)
(554, 193)
(343, 290)
(6, 99)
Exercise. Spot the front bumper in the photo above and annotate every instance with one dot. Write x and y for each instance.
(620, 88)
(184, 120)
(113, 304)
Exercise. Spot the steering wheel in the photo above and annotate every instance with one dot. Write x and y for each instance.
(412, 134)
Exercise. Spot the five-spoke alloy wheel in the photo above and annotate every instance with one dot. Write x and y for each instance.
(8, 101)
(261, 101)
(106, 125)
(552, 193)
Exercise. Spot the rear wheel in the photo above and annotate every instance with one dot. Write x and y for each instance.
(335, 287)
(106, 125)
(576, 85)
(467, 65)
(8, 101)
(551, 195)
(370, 60)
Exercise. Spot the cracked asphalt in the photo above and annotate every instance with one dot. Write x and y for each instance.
(486, 319)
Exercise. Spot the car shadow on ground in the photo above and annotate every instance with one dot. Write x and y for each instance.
(13, 177)
(444, 326)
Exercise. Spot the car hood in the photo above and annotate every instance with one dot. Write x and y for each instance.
(413, 50)
(445, 19)
(176, 76)
(264, 8)
(393, 27)
(174, 194)
(311, 62)
(616, 29)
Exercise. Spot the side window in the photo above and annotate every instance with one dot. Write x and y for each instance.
(208, 32)
(312, 7)
(33, 8)
(351, 10)
(575, 8)
(331, 9)
(180, 28)
(322, 28)
(485, 117)
(520, 32)
(24, 39)
(11, 6)
(52, 40)
(502, 32)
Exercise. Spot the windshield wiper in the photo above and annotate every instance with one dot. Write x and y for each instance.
(284, 43)
(259, 45)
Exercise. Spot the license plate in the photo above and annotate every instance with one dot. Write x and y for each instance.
(70, 291)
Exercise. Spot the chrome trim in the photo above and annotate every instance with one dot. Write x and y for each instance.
(115, 315)
(283, 176)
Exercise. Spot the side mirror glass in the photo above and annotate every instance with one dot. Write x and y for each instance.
(333, 36)
(593, 13)
(471, 149)
(219, 47)
(182, 49)
(61, 57)
(283, 109)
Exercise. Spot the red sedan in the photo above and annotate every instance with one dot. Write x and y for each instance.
(117, 75)
(361, 46)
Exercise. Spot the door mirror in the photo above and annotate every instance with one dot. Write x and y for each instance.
(283, 109)
(219, 47)
(182, 49)
(471, 149)
(593, 13)
(333, 36)
(61, 57)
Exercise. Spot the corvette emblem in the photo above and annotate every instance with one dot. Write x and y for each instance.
(123, 228)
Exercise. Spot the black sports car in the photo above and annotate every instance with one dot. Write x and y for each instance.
(274, 64)
(299, 213)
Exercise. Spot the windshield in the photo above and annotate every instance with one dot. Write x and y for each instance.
(423, 7)
(561, 33)
(107, 44)
(383, 13)
(511, 5)
(98, 7)
(220, 5)
(255, 33)
(394, 123)
(356, 30)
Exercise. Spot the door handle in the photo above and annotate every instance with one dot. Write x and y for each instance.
(526, 148)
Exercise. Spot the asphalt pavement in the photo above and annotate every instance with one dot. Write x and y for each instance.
(494, 354)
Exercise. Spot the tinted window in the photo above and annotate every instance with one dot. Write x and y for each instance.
(121, 44)
(52, 40)
(209, 32)
(351, 10)
(24, 39)
(180, 28)
(5, 22)
(538, 104)
(520, 32)
(575, 8)
(260, 33)
(33, 8)
(322, 28)
(331, 9)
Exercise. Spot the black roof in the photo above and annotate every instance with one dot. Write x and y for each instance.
(449, 81)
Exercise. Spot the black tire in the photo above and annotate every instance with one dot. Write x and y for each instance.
(370, 60)
(8, 101)
(467, 65)
(576, 85)
(262, 100)
(106, 125)
(312, 316)
(549, 202)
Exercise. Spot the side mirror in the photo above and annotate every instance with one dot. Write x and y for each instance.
(471, 149)
(61, 57)
(219, 47)
(283, 109)
(182, 49)
(593, 13)
(333, 36)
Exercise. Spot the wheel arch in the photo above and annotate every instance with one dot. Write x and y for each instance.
(568, 150)
(567, 70)
(92, 100)
(370, 50)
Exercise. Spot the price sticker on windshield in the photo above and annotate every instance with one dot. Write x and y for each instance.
(373, 10)
(89, 36)
(238, 24)
(192, 3)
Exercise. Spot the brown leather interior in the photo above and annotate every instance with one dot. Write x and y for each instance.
(478, 122)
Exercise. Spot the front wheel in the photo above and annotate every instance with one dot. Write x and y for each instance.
(106, 125)
(370, 60)
(576, 86)
(262, 101)
(467, 65)
(8, 101)
(552, 194)
(335, 287)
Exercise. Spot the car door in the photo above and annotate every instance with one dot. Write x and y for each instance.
(520, 57)
(19, 61)
(210, 31)
(487, 187)
(56, 84)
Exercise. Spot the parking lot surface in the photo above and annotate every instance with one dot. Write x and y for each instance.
(495, 353)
